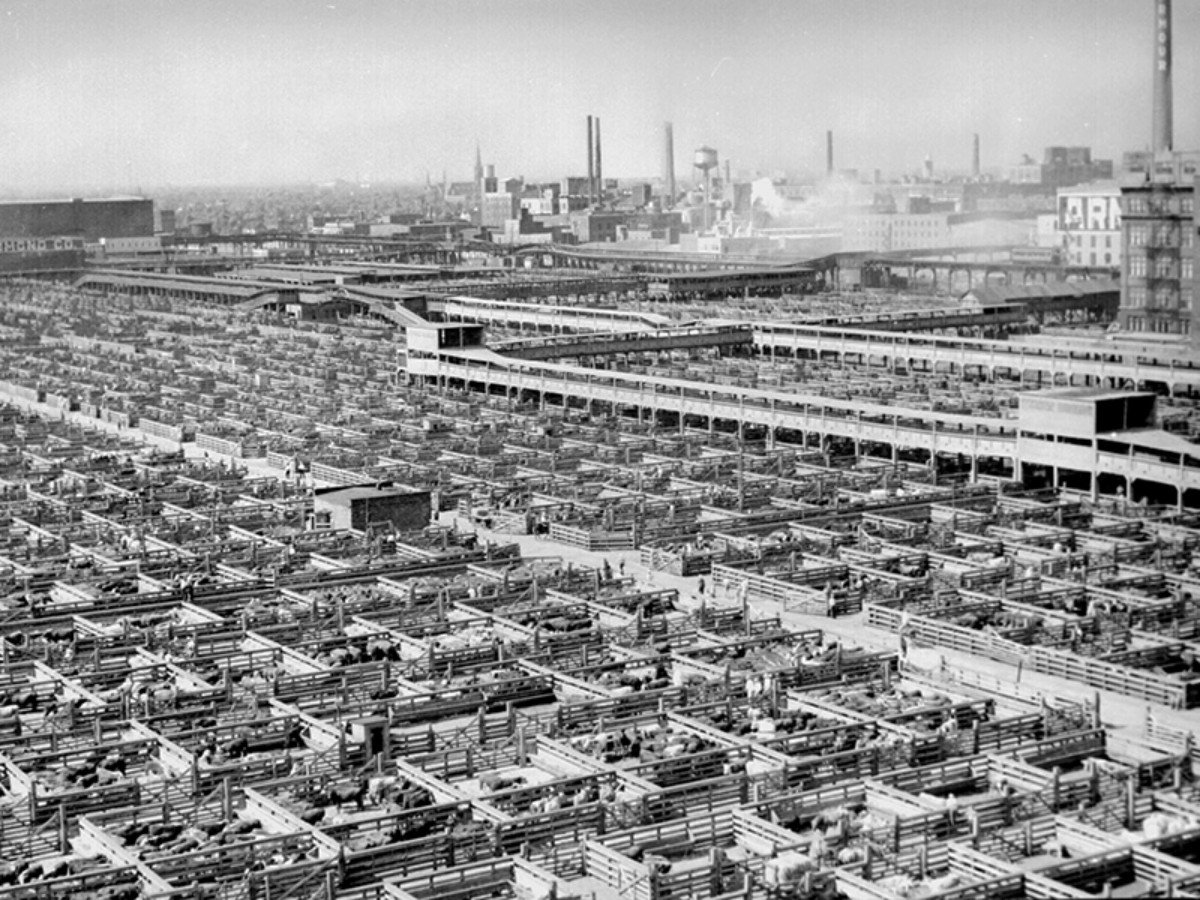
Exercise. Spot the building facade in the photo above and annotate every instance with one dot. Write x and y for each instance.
(882, 232)
(89, 219)
(1089, 224)
(1159, 246)
(499, 208)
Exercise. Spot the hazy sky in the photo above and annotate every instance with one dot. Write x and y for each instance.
(117, 93)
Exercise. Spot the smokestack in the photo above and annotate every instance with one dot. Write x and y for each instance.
(591, 164)
(599, 166)
(728, 178)
(1163, 138)
(669, 165)
(829, 153)
(975, 159)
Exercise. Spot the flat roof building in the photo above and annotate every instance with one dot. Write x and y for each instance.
(116, 217)
(1159, 245)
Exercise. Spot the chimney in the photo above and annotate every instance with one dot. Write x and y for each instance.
(599, 167)
(1163, 138)
(975, 159)
(591, 164)
(669, 165)
(829, 153)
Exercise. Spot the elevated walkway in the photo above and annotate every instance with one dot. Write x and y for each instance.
(607, 343)
(552, 318)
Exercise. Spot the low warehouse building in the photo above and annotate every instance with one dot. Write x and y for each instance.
(361, 506)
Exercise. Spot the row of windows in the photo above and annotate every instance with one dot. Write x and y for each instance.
(1165, 298)
(1140, 205)
(1164, 267)
(1161, 235)
(1076, 259)
(1159, 326)
(1077, 240)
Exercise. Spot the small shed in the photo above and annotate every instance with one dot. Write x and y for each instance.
(364, 505)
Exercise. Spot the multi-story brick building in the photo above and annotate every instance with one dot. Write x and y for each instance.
(1159, 244)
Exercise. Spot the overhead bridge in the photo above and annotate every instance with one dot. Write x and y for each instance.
(542, 316)
(930, 319)
(608, 343)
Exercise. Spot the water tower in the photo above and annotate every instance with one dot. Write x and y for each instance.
(705, 159)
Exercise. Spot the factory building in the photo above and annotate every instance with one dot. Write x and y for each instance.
(883, 232)
(1088, 222)
(607, 226)
(118, 217)
(1061, 167)
(499, 208)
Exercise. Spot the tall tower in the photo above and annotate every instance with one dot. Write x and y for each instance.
(829, 153)
(599, 166)
(479, 172)
(1163, 138)
(706, 160)
(591, 165)
(669, 166)
(975, 159)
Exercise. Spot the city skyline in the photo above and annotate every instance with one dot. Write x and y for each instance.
(119, 93)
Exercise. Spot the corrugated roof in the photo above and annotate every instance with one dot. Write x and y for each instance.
(993, 294)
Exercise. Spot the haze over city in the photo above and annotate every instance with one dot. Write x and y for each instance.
(121, 93)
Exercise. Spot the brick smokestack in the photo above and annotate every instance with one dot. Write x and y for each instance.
(599, 165)
(975, 158)
(591, 164)
(1163, 125)
(669, 165)
(829, 153)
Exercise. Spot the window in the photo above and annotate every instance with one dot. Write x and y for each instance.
(1137, 267)
(1135, 205)
(1185, 299)
(1186, 268)
(1164, 267)
(1108, 259)
(1093, 241)
(1186, 205)
(1138, 235)
(1189, 238)
(1137, 297)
